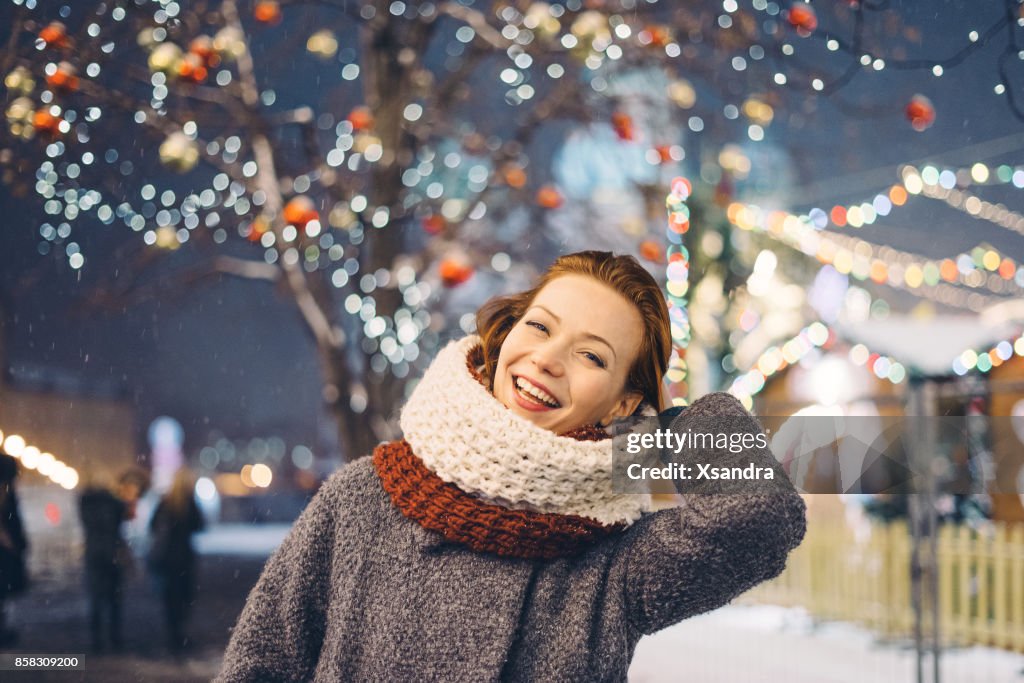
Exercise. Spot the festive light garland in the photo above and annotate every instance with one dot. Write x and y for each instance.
(816, 335)
(986, 360)
(882, 264)
(677, 285)
(45, 464)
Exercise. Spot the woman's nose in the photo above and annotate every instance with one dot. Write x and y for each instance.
(548, 359)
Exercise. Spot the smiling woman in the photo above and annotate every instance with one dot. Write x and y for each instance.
(489, 543)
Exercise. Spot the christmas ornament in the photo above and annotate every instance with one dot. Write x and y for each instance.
(46, 123)
(623, 125)
(229, 42)
(323, 44)
(514, 176)
(164, 58)
(191, 68)
(299, 211)
(433, 224)
(549, 197)
(167, 238)
(591, 26)
(267, 12)
(540, 20)
(179, 152)
(19, 117)
(202, 47)
(361, 119)
(655, 36)
(803, 18)
(259, 227)
(64, 79)
(920, 112)
(682, 93)
(454, 271)
(19, 81)
(651, 251)
(55, 35)
(363, 141)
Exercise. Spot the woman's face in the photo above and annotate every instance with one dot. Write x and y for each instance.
(564, 364)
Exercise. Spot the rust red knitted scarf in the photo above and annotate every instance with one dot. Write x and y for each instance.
(444, 508)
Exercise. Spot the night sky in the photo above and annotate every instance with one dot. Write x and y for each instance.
(234, 356)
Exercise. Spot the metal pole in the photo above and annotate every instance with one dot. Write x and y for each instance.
(915, 405)
(930, 447)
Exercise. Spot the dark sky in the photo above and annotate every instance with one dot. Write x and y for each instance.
(234, 356)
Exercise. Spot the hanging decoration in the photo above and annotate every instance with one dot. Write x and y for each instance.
(676, 274)
(920, 112)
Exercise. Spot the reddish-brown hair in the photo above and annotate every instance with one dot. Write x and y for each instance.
(625, 275)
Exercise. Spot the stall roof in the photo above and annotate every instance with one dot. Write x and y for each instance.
(927, 345)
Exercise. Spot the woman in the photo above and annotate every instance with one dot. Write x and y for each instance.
(171, 556)
(488, 543)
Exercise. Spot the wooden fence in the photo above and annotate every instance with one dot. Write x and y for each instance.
(865, 578)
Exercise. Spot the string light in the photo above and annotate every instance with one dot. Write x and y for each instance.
(984, 361)
(983, 268)
(774, 359)
(46, 464)
(677, 285)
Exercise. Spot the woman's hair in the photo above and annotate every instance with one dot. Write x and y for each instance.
(626, 276)
(179, 497)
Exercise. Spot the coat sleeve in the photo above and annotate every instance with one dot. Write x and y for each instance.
(695, 558)
(281, 629)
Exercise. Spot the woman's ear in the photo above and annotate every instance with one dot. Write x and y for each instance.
(624, 407)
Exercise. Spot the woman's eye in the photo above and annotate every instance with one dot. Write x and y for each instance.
(537, 325)
(595, 358)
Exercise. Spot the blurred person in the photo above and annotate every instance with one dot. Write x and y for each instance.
(489, 542)
(172, 558)
(13, 546)
(108, 559)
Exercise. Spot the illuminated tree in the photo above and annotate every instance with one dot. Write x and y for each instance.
(371, 157)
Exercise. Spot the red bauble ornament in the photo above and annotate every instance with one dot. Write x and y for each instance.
(920, 112)
(803, 18)
(651, 251)
(46, 123)
(55, 35)
(549, 197)
(433, 224)
(623, 125)
(515, 176)
(454, 272)
(361, 119)
(202, 47)
(191, 68)
(659, 36)
(63, 79)
(664, 153)
(299, 211)
(267, 12)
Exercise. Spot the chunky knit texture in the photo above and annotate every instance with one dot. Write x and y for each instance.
(360, 592)
(468, 438)
(484, 527)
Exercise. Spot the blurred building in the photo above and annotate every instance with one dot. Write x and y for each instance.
(85, 426)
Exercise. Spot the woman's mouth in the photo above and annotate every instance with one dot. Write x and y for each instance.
(532, 397)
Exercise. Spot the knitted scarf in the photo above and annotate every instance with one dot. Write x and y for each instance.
(480, 475)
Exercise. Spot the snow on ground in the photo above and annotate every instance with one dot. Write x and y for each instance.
(766, 643)
(249, 540)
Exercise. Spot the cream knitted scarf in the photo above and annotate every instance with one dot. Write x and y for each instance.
(465, 436)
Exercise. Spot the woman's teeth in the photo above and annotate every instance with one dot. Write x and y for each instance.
(524, 387)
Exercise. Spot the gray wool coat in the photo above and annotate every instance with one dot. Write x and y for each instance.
(358, 592)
